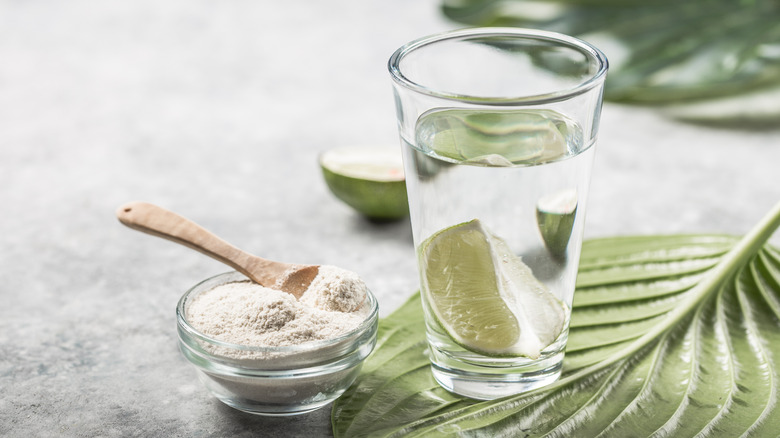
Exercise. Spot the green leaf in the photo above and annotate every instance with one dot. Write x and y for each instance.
(723, 53)
(671, 336)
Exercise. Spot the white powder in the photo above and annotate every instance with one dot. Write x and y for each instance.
(247, 313)
(335, 289)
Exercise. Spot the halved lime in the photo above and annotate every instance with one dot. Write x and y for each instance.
(485, 297)
(368, 179)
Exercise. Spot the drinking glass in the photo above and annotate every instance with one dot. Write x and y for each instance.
(498, 129)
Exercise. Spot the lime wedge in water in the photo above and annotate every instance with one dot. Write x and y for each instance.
(368, 179)
(555, 215)
(485, 297)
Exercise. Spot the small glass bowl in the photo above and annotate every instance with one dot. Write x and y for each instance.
(275, 381)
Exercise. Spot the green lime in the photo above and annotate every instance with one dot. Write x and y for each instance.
(555, 215)
(368, 179)
(485, 297)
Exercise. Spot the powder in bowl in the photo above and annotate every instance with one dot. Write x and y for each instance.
(262, 351)
(246, 313)
(335, 289)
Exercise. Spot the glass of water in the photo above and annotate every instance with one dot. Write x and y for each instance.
(498, 129)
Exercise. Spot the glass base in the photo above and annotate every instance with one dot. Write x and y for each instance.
(268, 410)
(488, 383)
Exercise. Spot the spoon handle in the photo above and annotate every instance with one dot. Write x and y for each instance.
(157, 221)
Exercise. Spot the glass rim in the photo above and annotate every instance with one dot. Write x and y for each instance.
(584, 47)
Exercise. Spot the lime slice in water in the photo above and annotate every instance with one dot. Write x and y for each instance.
(485, 297)
(496, 138)
(368, 179)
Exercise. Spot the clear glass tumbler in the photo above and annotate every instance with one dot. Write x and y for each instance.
(498, 127)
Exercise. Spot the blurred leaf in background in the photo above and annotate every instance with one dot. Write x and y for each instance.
(709, 61)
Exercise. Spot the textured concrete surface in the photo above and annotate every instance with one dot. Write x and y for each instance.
(218, 110)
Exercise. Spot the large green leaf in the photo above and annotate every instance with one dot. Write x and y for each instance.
(671, 336)
(664, 51)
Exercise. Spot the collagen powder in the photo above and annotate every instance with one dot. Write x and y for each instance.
(247, 313)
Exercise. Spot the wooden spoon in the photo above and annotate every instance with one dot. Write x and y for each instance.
(157, 221)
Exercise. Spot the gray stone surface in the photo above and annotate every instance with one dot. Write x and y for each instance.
(218, 110)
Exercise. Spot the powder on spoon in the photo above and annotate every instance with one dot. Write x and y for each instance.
(335, 289)
(247, 313)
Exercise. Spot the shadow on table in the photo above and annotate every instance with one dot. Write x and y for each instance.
(237, 423)
(400, 229)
